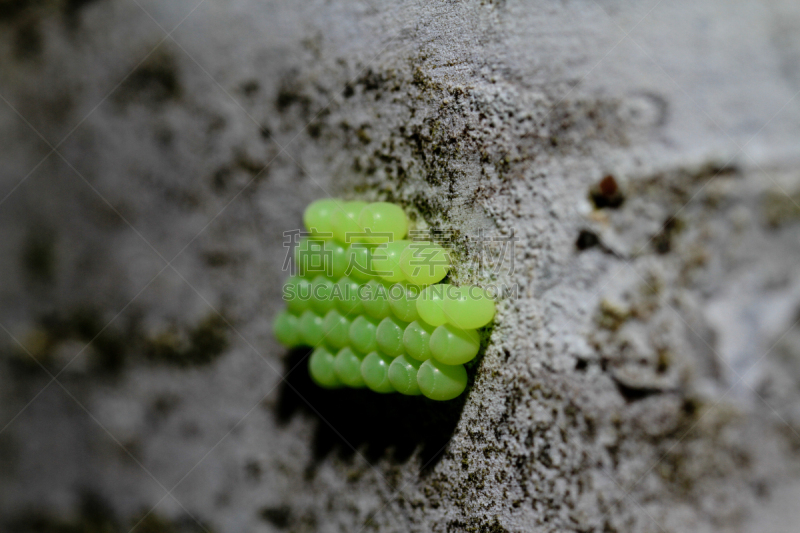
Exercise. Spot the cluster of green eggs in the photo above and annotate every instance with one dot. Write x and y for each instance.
(368, 301)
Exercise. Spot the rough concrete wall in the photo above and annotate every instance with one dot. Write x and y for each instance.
(644, 154)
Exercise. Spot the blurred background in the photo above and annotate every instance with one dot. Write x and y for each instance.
(152, 153)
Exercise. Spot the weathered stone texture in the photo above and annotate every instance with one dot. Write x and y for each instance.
(644, 155)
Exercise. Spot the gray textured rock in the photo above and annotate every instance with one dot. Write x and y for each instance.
(644, 155)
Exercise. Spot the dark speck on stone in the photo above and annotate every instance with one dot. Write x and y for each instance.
(11, 9)
(28, 41)
(154, 82)
(39, 257)
(586, 239)
(277, 516)
(250, 88)
(607, 193)
(72, 11)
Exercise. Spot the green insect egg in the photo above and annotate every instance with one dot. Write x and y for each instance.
(389, 336)
(362, 334)
(424, 263)
(359, 267)
(321, 369)
(348, 368)
(336, 329)
(297, 294)
(469, 307)
(453, 346)
(403, 301)
(384, 220)
(439, 381)
(346, 228)
(386, 260)
(403, 375)
(430, 304)
(321, 295)
(376, 299)
(311, 333)
(417, 339)
(363, 288)
(286, 329)
(375, 371)
(319, 214)
(312, 257)
(339, 259)
(348, 301)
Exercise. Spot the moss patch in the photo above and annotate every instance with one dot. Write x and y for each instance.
(94, 515)
(112, 347)
(154, 82)
(199, 345)
(780, 208)
(39, 256)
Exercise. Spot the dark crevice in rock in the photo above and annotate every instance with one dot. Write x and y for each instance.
(381, 425)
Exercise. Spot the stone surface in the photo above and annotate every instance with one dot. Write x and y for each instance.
(644, 155)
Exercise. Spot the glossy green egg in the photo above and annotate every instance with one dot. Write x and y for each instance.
(286, 329)
(321, 368)
(469, 307)
(339, 259)
(438, 381)
(313, 257)
(363, 334)
(403, 301)
(424, 263)
(297, 294)
(359, 266)
(346, 228)
(321, 295)
(453, 346)
(336, 329)
(318, 216)
(375, 371)
(430, 304)
(311, 332)
(387, 221)
(417, 338)
(348, 368)
(389, 336)
(348, 301)
(403, 375)
(386, 260)
(376, 299)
